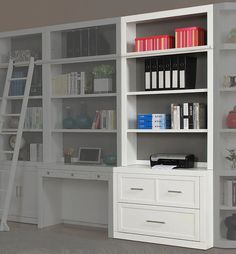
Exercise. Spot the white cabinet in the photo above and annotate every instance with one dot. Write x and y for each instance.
(24, 201)
(152, 205)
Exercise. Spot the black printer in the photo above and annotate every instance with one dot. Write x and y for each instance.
(177, 160)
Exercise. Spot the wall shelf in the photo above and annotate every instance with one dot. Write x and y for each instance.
(101, 95)
(83, 131)
(166, 131)
(180, 91)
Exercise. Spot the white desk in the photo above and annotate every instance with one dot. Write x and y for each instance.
(52, 176)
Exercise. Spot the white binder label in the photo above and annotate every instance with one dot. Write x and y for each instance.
(182, 79)
(167, 79)
(154, 80)
(147, 80)
(175, 79)
(161, 79)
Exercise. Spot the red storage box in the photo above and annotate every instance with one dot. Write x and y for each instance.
(189, 37)
(154, 43)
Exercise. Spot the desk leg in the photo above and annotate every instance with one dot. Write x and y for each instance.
(110, 207)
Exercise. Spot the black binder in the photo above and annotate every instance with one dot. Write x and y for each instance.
(161, 74)
(154, 74)
(147, 74)
(174, 72)
(167, 71)
(187, 72)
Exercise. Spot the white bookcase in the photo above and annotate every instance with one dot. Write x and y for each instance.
(70, 48)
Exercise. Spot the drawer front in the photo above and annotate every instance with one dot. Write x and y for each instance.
(136, 189)
(178, 191)
(177, 223)
(63, 174)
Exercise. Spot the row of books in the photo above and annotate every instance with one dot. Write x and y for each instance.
(153, 121)
(17, 87)
(72, 83)
(36, 152)
(189, 116)
(104, 119)
(170, 72)
(34, 118)
(230, 192)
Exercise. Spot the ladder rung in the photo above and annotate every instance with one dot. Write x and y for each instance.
(13, 79)
(8, 152)
(8, 133)
(9, 130)
(10, 115)
(3, 190)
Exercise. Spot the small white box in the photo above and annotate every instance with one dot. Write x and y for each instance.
(102, 85)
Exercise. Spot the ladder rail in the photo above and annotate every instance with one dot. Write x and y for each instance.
(3, 226)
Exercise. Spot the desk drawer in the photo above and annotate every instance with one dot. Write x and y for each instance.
(136, 189)
(70, 175)
(175, 223)
(178, 191)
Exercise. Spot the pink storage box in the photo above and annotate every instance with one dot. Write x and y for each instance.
(189, 37)
(157, 42)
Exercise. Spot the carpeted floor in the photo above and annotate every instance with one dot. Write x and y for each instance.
(27, 239)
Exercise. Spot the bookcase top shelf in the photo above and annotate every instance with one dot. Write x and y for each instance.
(95, 95)
(160, 92)
(172, 51)
(166, 131)
(84, 131)
(39, 97)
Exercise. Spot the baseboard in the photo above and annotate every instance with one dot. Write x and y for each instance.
(85, 224)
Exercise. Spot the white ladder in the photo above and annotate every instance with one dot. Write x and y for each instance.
(3, 116)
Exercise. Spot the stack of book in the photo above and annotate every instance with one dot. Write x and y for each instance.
(34, 118)
(72, 83)
(230, 192)
(188, 116)
(104, 119)
(153, 121)
(36, 152)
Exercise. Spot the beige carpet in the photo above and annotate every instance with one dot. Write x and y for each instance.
(27, 239)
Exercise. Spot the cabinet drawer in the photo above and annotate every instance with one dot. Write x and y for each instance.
(136, 189)
(175, 223)
(178, 191)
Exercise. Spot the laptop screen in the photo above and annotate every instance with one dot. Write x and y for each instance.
(89, 155)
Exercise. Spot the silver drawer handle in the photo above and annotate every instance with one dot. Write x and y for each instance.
(155, 221)
(136, 189)
(174, 191)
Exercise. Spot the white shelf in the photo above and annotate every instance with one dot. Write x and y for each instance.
(227, 208)
(83, 131)
(179, 91)
(81, 59)
(20, 97)
(228, 46)
(24, 130)
(228, 131)
(166, 131)
(228, 89)
(227, 172)
(171, 51)
(84, 96)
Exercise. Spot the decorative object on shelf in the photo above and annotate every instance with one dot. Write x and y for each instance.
(229, 81)
(21, 55)
(232, 36)
(230, 223)
(69, 122)
(229, 192)
(231, 118)
(12, 142)
(68, 155)
(156, 42)
(103, 78)
(89, 155)
(231, 157)
(110, 160)
(189, 37)
(83, 119)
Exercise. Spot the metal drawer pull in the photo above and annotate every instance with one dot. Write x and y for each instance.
(136, 188)
(174, 191)
(155, 221)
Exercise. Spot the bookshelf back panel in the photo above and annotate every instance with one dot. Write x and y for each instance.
(227, 23)
(164, 26)
(88, 41)
(99, 140)
(136, 69)
(148, 144)
(158, 104)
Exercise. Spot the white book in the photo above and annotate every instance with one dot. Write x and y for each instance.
(40, 152)
(229, 193)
